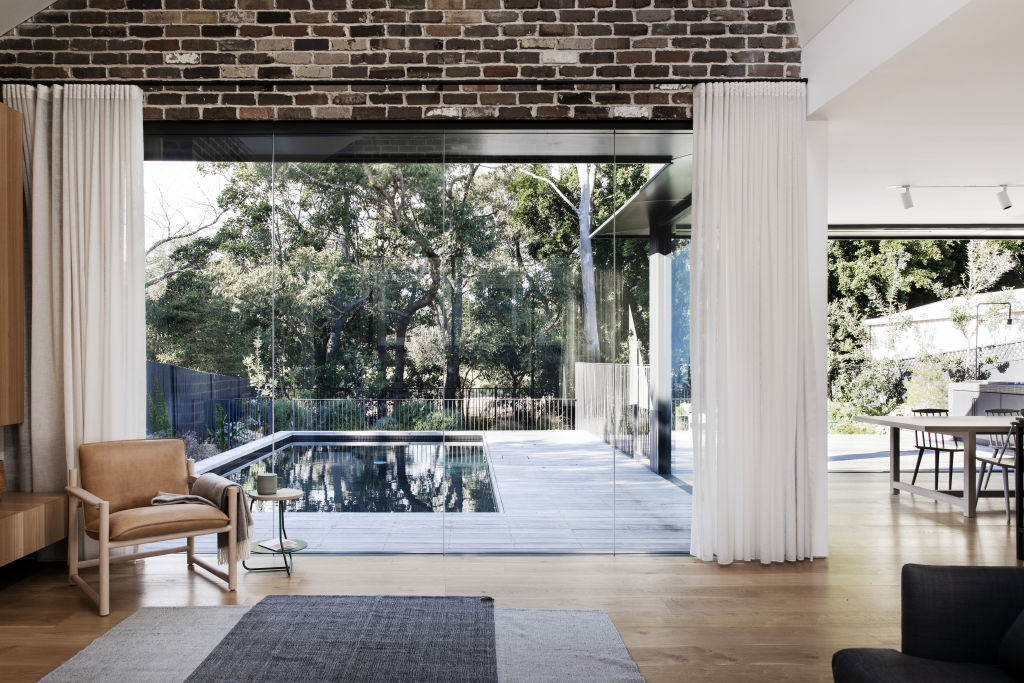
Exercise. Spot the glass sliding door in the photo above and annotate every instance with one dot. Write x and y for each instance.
(449, 340)
(209, 298)
(524, 311)
(207, 305)
(649, 361)
(360, 229)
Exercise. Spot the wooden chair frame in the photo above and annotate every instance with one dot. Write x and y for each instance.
(930, 441)
(101, 596)
(1002, 446)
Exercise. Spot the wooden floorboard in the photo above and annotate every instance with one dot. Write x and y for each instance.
(681, 619)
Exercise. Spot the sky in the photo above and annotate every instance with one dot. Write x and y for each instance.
(177, 188)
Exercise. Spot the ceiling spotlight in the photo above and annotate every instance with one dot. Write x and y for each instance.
(908, 201)
(1004, 198)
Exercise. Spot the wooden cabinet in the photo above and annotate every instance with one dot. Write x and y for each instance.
(12, 278)
(30, 522)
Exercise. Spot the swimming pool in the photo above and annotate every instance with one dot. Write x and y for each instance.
(379, 477)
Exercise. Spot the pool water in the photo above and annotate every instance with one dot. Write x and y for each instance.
(386, 477)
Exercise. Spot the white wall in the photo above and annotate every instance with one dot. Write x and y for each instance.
(910, 338)
(13, 12)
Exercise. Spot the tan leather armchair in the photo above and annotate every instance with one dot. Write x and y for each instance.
(114, 485)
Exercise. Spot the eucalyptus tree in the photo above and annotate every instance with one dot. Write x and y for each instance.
(405, 208)
(471, 237)
(581, 207)
(560, 205)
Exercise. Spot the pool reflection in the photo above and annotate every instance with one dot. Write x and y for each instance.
(419, 477)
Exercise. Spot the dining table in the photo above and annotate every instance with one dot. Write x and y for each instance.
(967, 428)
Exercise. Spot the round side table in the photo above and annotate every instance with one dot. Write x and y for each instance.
(282, 496)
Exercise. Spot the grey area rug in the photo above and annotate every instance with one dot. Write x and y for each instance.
(156, 644)
(364, 638)
(166, 644)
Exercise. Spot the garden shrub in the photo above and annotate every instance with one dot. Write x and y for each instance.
(928, 386)
(159, 418)
(386, 424)
(439, 421)
(412, 413)
(341, 415)
(289, 414)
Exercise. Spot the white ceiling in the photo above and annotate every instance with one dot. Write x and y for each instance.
(947, 109)
(13, 12)
(813, 15)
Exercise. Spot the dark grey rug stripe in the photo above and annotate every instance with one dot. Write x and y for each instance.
(365, 638)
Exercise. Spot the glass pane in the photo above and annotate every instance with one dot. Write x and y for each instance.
(208, 304)
(650, 333)
(359, 407)
(515, 292)
(415, 323)
(682, 437)
(201, 319)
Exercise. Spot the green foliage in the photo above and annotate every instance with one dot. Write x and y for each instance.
(385, 424)
(875, 278)
(223, 430)
(927, 386)
(873, 388)
(377, 279)
(343, 415)
(409, 413)
(159, 418)
(289, 414)
(425, 416)
(840, 416)
(438, 421)
(193, 324)
(681, 415)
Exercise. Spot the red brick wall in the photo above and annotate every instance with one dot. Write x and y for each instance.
(376, 54)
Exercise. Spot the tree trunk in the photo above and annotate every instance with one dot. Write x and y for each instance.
(401, 354)
(405, 320)
(380, 338)
(453, 362)
(586, 174)
(338, 324)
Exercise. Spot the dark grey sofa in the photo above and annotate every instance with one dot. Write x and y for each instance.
(959, 624)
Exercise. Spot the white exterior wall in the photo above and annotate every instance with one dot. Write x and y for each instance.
(928, 329)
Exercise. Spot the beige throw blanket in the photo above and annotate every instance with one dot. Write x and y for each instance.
(213, 489)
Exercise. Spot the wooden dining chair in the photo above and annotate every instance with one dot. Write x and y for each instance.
(939, 443)
(1003, 453)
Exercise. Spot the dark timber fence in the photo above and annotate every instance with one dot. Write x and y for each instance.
(191, 398)
(226, 411)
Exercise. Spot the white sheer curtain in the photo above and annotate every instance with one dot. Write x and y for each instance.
(758, 357)
(83, 183)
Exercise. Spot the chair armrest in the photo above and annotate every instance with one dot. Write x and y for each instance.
(959, 614)
(84, 496)
(192, 482)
